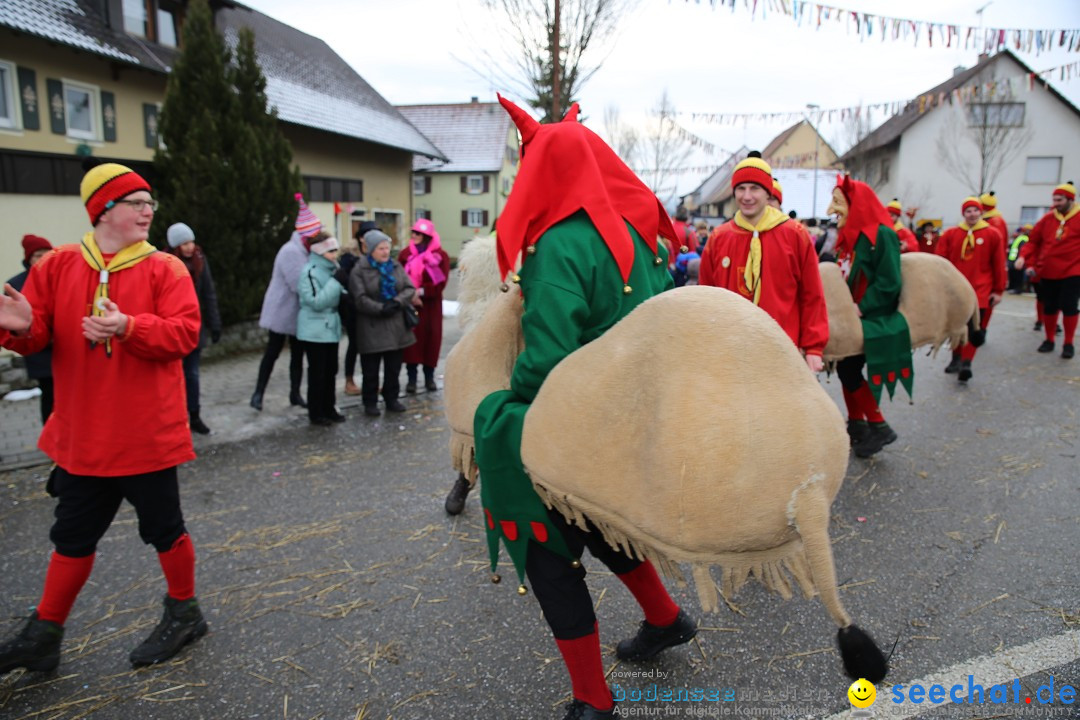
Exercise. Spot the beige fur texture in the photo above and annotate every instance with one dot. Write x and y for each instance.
(936, 300)
(478, 271)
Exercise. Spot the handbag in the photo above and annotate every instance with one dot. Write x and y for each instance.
(412, 318)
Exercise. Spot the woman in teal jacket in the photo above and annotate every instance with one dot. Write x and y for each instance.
(318, 326)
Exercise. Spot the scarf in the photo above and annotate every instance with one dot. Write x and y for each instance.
(752, 272)
(968, 248)
(1062, 219)
(898, 226)
(992, 212)
(387, 281)
(128, 257)
(428, 260)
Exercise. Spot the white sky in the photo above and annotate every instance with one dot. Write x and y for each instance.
(709, 60)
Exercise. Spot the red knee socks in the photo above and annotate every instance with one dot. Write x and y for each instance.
(967, 351)
(1069, 321)
(586, 667)
(650, 593)
(1050, 326)
(869, 404)
(63, 581)
(854, 407)
(178, 564)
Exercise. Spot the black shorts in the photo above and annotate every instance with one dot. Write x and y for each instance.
(1061, 295)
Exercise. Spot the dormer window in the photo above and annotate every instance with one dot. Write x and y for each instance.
(155, 20)
(136, 20)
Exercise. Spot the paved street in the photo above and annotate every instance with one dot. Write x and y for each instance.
(336, 586)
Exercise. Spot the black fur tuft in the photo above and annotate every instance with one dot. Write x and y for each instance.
(754, 154)
(861, 656)
(90, 162)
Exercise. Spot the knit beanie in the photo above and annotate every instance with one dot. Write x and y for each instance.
(971, 202)
(375, 238)
(988, 200)
(104, 184)
(1066, 189)
(753, 170)
(895, 208)
(179, 234)
(306, 222)
(324, 246)
(32, 243)
(777, 191)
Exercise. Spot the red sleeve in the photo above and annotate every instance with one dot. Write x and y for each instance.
(172, 331)
(38, 294)
(705, 269)
(813, 315)
(1032, 249)
(999, 268)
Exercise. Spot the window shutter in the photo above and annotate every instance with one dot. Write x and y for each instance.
(464, 184)
(485, 214)
(108, 116)
(427, 183)
(487, 184)
(150, 125)
(29, 97)
(54, 89)
(464, 216)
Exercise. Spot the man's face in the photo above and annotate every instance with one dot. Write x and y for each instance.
(1061, 203)
(972, 215)
(751, 199)
(36, 257)
(123, 220)
(838, 207)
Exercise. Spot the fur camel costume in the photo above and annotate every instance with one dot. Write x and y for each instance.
(635, 492)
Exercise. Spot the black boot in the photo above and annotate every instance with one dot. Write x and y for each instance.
(197, 425)
(36, 647)
(878, 435)
(965, 373)
(410, 386)
(1067, 351)
(181, 623)
(651, 639)
(429, 379)
(256, 399)
(295, 398)
(953, 366)
(1047, 346)
(580, 710)
(459, 493)
(857, 430)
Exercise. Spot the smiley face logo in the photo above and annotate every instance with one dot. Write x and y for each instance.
(862, 693)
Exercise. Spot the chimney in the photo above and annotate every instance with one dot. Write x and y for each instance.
(957, 70)
(475, 99)
(983, 57)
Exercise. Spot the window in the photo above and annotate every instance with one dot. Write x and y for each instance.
(1031, 215)
(996, 114)
(8, 96)
(136, 18)
(474, 184)
(506, 185)
(884, 171)
(418, 186)
(1043, 171)
(166, 27)
(81, 113)
(421, 215)
(512, 155)
(474, 218)
(324, 189)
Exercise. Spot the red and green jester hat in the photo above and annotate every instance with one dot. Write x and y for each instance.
(586, 230)
(868, 250)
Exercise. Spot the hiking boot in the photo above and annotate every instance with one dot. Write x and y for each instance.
(351, 387)
(857, 430)
(1067, 351)
(878, 435)
(35, 647)
(295, 398)
(198, 426)
(181, 623)
(965, 373)
(650, 639)
(1047, 346)
(395, 406)
(459, 493)
(372, 411)
(430, 385)
(256, 399)
(579, 710)
(953, 366)
(410, 387)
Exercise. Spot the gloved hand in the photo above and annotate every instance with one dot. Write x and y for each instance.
(390, 307)
(342, 277)
(215, 336)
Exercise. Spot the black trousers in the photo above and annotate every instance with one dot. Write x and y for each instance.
(322, 375)
(849, 370)
(560, 587)
(46, 385)
(1061, 295)
(391, 384)
(191, 381)
(88, 505)
(296, 361)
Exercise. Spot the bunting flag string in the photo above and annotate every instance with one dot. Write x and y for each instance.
(868, 26)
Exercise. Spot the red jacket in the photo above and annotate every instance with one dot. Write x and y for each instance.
(791, 289)
(998, 223)
(125, 414)
(1054, 258)
(984, 265)
(686, 236)
(908, 242)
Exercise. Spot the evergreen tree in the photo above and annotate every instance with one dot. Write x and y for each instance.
(224, 168)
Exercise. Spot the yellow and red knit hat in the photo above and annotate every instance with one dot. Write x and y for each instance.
(753, 170)
(895, 208)
(971, 202)
(1066, 189)
(777, 191)
(104, 184)
(988, 201)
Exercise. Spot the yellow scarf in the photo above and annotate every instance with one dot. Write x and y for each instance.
(752, 273)
(898, 226)
(1062, 219)
(969, 242)
(128, 257)
(992, 212)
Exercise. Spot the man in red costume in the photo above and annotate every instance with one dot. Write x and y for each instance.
(121, 317)
(908, 242)
(1053, 254)
(975, 248)
(586, 229)
(769, 259)
(992, 217)
(686, 239)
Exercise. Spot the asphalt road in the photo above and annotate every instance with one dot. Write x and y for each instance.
(336, 586)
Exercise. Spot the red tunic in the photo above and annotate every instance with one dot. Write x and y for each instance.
(686, 236)
(125, 414)
(791, 289)
(983, 266)
(1054, 258)
(998, 223)
(908, 242)
(425, 351)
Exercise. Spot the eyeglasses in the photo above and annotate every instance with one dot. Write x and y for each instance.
(139, 205)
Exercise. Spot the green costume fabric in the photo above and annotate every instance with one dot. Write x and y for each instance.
(573, 293)
(886, 338)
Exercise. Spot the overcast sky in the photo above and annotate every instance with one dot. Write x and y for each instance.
(708, 60)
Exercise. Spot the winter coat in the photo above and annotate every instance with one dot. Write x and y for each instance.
(199, 269)
(38, 365)
(376, 333)
(281, 306)
(318, 320)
